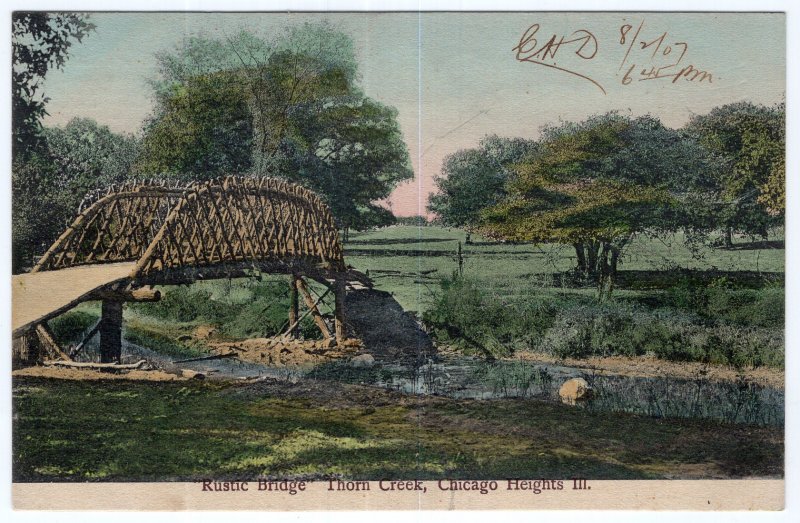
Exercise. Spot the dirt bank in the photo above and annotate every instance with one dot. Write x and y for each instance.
(647, 367)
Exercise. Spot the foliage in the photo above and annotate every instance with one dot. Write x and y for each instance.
(40, 42)
(49, 184)
(288, 108)
(474, 319)
(69, 327)
(203, 129)
(750, 142)
(713, 323)
(243, 309)
(596, 184)
(413, 221)
(473, 179)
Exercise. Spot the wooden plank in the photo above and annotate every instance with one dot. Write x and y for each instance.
(39, 296)
(91, 365)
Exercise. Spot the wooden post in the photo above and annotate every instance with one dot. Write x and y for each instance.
(340, 292)
(26, 350)
(301, 286)
(111, 331)
(293, 307)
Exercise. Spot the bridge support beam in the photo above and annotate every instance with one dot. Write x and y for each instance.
(339, 292)
(111, 331)
(312, 306)
(294, 306)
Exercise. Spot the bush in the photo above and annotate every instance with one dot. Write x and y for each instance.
(737, 329)
(721, 300)
(70, 326)
(242, 308)
(476, 320)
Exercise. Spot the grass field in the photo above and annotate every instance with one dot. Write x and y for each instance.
(128, 431)
(519, 270)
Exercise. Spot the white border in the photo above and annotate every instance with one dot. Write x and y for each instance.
(792, 512)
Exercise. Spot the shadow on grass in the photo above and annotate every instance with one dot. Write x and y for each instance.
(399, 241)
(756, 245)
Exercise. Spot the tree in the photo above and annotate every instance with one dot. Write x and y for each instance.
(473, 179)
(749, 141)
(39, 42)
(50, 183)
(288, 108)
(595, 185)
(203, 129)
(89, 156)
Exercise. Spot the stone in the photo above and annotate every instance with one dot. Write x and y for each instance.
(574, 390)
(363, 360)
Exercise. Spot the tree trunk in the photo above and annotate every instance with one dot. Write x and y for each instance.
(592, 248)
(614, 262)
(581, 255)
(728, 237)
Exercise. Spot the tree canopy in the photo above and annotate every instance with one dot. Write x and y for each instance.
(39, 42)
(289, 108)
(473, 179)
(595, 184)
(749, 141)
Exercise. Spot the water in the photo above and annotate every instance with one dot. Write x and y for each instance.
(470, 378)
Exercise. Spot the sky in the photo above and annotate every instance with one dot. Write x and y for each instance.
(456, 77)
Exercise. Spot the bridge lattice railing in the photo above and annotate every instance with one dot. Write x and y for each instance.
(222, 221)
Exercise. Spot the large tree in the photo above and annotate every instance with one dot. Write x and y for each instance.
(750, 141)
(289, 108)
(473, 179)
(596, 184)
(89, 156)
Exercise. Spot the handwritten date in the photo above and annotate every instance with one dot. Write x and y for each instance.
(645, 58)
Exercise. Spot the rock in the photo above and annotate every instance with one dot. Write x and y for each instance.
(574, 390)
(192, 374)
(364, 360)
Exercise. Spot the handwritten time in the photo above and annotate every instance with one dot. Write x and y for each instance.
(647, 56)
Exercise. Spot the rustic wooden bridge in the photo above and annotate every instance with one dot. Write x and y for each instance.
(132, 237)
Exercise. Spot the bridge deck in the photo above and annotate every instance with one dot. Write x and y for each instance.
(40, 295)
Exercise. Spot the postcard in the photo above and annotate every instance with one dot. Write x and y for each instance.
(410, 260)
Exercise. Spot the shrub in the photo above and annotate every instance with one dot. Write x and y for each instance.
(478, 321)
(70, 326)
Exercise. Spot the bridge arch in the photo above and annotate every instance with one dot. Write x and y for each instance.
(225, 224)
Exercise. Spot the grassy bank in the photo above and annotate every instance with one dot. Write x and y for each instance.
(146, 431)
